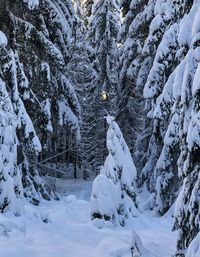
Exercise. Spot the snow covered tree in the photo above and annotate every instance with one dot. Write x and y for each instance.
(171, 54)
(187, 205)
(59, 109)
(28, 143)
(168, 144)
(33, 67)
(194, 249)
(11, 192)
(160, 168)
(134, 31)
(113, 192)
(166, 13)
(83, 73)
(103, 31)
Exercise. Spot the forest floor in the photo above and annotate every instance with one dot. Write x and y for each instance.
(63, 229)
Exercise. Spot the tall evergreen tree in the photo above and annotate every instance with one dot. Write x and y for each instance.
(169, 144)
(33, 67)
(187, 205)
(160, 167)
(103, 33)
(137, 17)
(11, 193)
(83, 73)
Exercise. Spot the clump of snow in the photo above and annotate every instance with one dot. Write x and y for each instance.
(32, 4)
(3, 39)
(47, 111)
(112, 247)
(104, 199)
(137, 247)
(185, 33)
(149, 203)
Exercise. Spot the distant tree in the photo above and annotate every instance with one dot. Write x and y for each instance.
(103, 32)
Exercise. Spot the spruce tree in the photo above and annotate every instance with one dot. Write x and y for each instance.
(103, 31)
(33, 67)
(187, 204)
(11, 192)
(160, 168)
(137, 17)
(113, 192)
(83, 73)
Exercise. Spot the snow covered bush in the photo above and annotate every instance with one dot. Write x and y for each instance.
(113, 191)
(104, 199)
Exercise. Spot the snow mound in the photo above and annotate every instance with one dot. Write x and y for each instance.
(120, 246)
(103, 199)
(113, 247)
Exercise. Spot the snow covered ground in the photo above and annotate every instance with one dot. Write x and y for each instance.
(64, 229)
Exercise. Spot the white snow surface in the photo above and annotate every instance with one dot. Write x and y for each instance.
(70, 233)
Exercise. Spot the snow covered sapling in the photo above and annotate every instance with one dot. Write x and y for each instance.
(113, 191)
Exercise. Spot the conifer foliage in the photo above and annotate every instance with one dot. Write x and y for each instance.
(11, 192)
(56, 59)
(103, 33)
(33, 68)
(103, 29)
(113, 192)
(168, 144)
